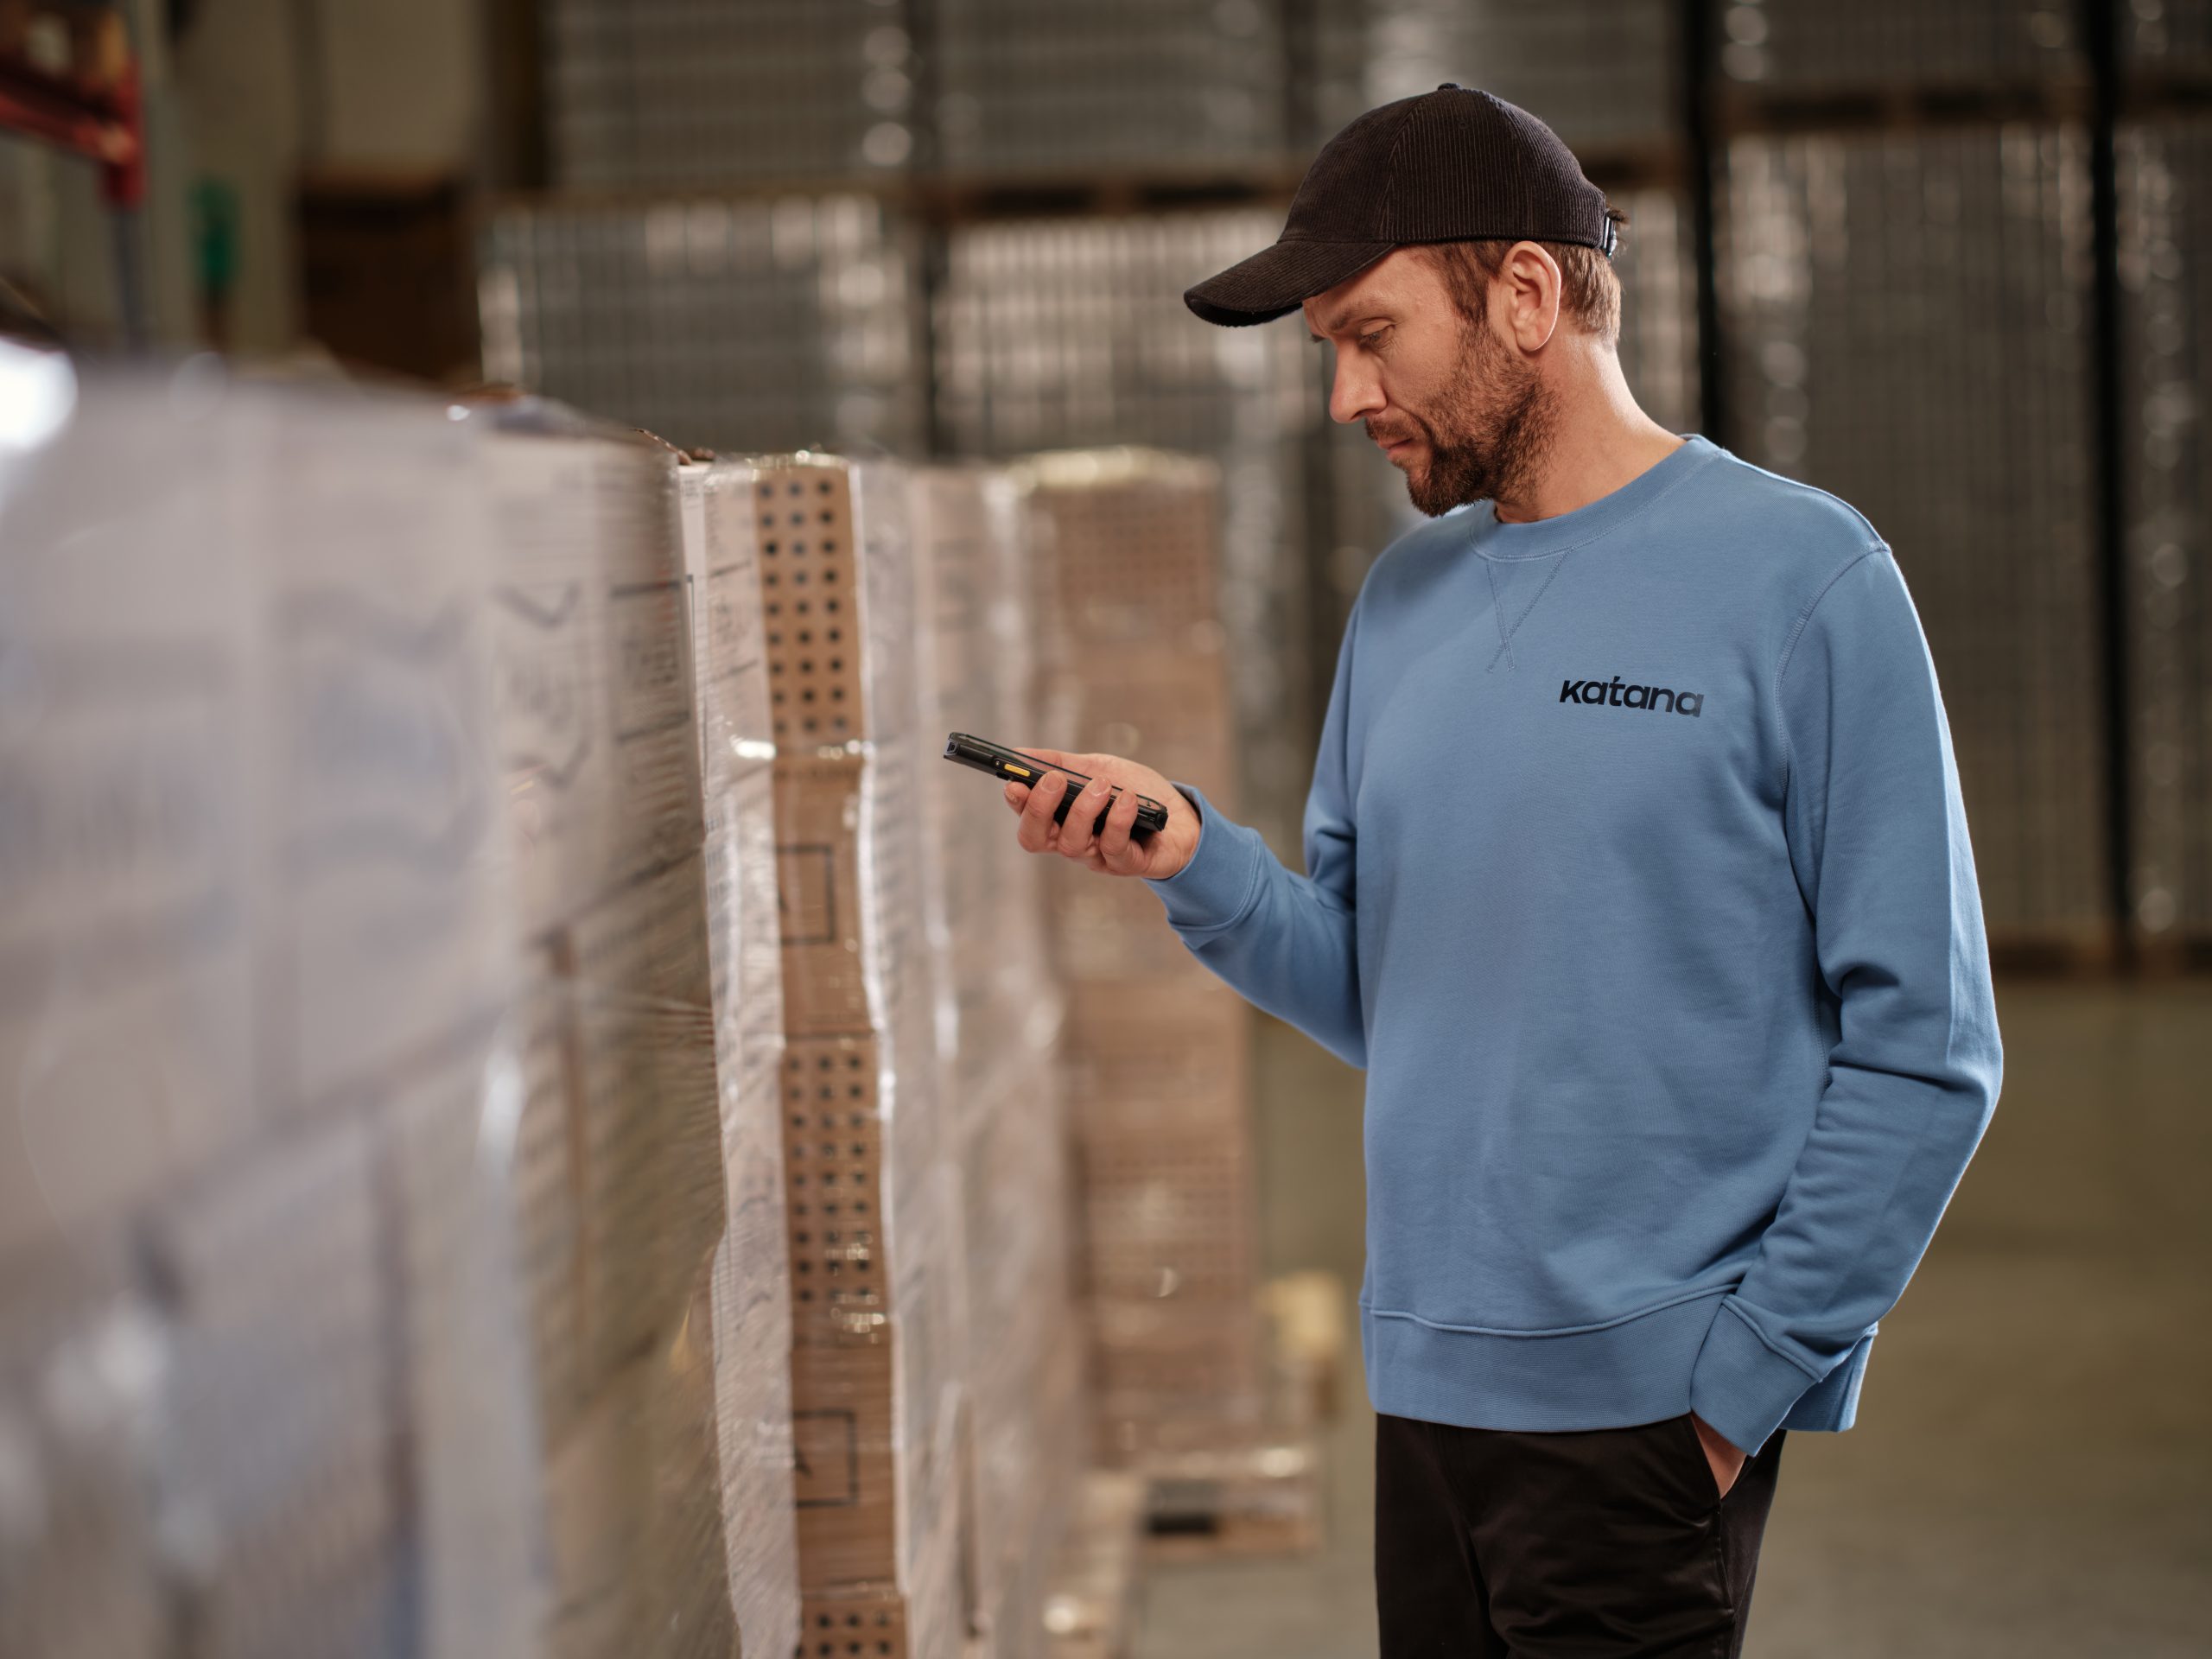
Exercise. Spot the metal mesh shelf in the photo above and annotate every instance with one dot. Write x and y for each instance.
(1906, 319)
(731, 324)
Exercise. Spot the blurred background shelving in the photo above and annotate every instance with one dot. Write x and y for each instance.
(1936, 258)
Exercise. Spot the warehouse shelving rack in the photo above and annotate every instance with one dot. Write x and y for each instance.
(1880, 80)
(83, 99)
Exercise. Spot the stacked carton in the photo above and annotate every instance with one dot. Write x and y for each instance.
(261, 1370)
(1127, 554)
(620, 1142)
(998, 1011)
(753, 1337)
(873, 1194)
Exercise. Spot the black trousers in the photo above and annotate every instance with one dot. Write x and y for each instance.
(1493, 1544)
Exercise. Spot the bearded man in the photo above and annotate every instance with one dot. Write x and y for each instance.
(1638, 879)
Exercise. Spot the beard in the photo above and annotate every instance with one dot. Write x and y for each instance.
(1488, 433)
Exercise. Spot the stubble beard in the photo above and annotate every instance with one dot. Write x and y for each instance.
(1482, 444)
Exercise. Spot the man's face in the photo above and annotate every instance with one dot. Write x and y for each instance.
(1456, 408)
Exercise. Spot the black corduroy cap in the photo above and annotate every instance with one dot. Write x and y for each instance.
(1453, 165)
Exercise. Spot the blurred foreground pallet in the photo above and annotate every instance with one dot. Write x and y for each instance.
(1258, 1490)
(1091, 1604)
(1241, 1501)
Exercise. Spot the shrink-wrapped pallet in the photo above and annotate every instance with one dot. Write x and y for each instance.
(262, 1372)
(999, 1009)
(873, 1195)
(753, 1339)
(1126, 545)
(621, 1164)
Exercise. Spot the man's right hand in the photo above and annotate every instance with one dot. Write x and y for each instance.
(1113, 850)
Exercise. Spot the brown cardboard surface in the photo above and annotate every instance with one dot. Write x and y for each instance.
(837, 1200)
(848, 1466)
(812, 594)
(1155, 1055)
(1169, 1217)
(820, 898)
(871, 1623)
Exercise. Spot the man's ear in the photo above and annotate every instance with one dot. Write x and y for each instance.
(1533, 288)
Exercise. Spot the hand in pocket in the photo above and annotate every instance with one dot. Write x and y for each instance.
(1725, 1460)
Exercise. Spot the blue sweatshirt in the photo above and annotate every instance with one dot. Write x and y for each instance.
(1638, 881)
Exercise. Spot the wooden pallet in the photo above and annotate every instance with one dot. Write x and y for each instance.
(1231, 1485)
(1242, 1501)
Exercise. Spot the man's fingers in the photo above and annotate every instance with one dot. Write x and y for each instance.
(1114, 841)
(1076, 839)
(1037, 831)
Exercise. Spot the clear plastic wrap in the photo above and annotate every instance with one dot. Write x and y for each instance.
(999, 1009)
(620, 1171)
(753, 1303)
(263, 1384)
(997, 994)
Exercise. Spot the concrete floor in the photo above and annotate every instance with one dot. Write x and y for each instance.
(2031, 1474)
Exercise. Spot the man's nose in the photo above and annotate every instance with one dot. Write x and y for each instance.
(1352, 396)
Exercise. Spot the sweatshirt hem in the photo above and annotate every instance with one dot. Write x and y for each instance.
(1630, 1371)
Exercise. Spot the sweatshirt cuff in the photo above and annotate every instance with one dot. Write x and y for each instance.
(1740, 1386)
(1215, 888)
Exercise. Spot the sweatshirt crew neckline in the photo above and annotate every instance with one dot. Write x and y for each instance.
(1539, 537)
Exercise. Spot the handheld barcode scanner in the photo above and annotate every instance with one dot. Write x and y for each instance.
(1016, 768)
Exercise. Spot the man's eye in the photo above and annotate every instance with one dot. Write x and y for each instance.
(1368, 340)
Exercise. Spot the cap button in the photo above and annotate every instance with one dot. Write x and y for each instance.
(1451, 86)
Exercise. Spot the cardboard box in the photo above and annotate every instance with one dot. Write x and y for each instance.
(1132, 539)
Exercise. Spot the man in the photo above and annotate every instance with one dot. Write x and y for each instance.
(1638, 882)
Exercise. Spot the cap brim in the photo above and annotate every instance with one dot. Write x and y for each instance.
(1277, 281)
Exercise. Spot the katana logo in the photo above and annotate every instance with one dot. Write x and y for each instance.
(1612, 695)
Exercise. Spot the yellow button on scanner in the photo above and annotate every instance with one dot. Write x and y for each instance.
(1018, 771)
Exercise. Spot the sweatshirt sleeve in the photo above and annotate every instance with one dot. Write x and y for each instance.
(1286, 942)
(1876, 834)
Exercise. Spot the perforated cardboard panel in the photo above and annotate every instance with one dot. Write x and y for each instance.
(833, 1157)
(809, 580)
(859, 1626)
